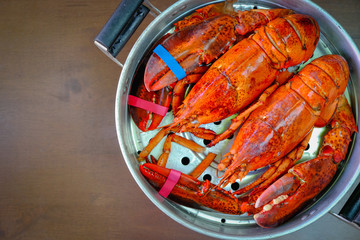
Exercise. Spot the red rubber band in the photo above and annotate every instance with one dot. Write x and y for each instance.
(146, 105)
(170, 183)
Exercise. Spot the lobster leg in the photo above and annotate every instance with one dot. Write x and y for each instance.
(276, 169)
(188, 144)
(152, 143)
(171, 137)
(166, 151)
(202, 133)
(180, 89)
(304, 181)
(190, 192)
(203, 165)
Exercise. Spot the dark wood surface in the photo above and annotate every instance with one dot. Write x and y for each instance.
(62, 175)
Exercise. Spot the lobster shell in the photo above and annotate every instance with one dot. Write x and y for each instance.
(248, 68)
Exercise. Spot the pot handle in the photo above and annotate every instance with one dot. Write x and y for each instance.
(350, 213)
(120, 27)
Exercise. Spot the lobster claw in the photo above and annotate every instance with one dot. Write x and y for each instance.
(188, 49)
(193, 45)
(203, 13)
(292, 191)
(304, 181)
(280, 206)
(145, 119)
(191, 192)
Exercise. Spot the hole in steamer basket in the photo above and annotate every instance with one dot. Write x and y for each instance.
(235, 186)
(207, 177)
(185, 161)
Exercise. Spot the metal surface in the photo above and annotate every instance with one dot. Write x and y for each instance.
(333, 40)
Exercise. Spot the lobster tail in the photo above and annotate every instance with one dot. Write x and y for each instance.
(288, 41)
(326, 76)
(255, 18)
(308, 32)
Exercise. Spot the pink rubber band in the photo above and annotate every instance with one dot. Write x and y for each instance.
(170, 183)
(152, 107)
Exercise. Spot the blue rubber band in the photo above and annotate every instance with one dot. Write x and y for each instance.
(170, 62)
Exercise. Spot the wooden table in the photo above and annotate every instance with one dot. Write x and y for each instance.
(62, 175)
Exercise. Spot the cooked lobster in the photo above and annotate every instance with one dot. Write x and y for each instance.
(273, 116)
(196, 44)
(238, 77)
(311, 98)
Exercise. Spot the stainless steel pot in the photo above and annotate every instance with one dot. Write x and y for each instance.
(334, 39)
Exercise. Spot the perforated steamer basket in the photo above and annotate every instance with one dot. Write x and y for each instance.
(333, 40)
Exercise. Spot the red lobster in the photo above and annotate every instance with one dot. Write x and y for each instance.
(238, 77)
(311, 98)
(200, 43)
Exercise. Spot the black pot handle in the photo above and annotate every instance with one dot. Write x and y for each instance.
(350, 212)
(120, 27)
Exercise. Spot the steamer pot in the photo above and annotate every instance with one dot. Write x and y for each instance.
(333, 39)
